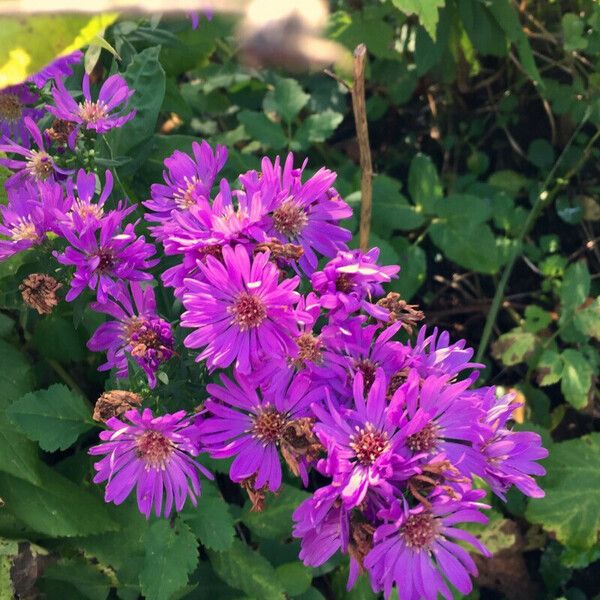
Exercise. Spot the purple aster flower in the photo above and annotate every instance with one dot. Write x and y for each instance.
(36, 164)
(248, 423)
(58, 69)
(364, 449)
(152, 454)
(239, 310)
(15, 107)
(137, 331)
(306, 213)
(350, 281)
(418, 551)
(104, 254)
(194, 17)
(188, 182)
(106, 113)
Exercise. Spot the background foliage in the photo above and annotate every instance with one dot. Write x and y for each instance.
(484, 118)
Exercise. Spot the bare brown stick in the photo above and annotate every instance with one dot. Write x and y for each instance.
(359, 108)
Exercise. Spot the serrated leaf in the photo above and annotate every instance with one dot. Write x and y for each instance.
(287, 99)
(426, 10)
(571, 506)
(86, 578)
(171, 556)
(211, 520)
(294, 577)
(536, 318)
(549, 368)
(318, 127)
(587, 320)
(576, 379)
(275, 521)
(514, 347)
(57, 507)
(575, 286)
(259, 127)
(54, 418)
(424, 184)
(248, 571)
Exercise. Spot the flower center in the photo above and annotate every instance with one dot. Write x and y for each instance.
(39, 165)
(368, 369)
(151, 340)
(186, 195)
(248, 311)
(424, 440)
(92, 112)
(154, 449)
(396, 381)
(88, 211)
(290, 219)
(368, 444)
(344, 283)
(309, 349)
(107, 260)
(419, 531)
(11, 108)
(269, 425)
(25, 230)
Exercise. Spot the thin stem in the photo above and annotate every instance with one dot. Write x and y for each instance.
(543, 199)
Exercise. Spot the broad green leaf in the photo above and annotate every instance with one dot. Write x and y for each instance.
(514, 347)
(6, 324)
(573, 32)
(536, 318)
(27, 44)
(275, 521)
(576, 378)
(58, 507)
(482, 28)
(413, 268)
(15, 374)
(294, 577)
(571, 506)
(56, 338)
(549, 368)
(211, 521)
(318, 127)
(287, 99)
(146, 76)
(541, 153)
(261, 128)
(587, 320)
(19, 455)
(426, 10)
(509, 181)
(248, 571)
(54, 418)
(88, 579)
(424, 184)
(171, 556)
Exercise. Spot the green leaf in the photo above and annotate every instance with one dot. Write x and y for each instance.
(15, 374)
(6, 324)
(58, 507)
(261, 128)
(56, 338)
(86, 578)
(318, 128)
(549, 368)
(514, 347)
(587, 320)
(29, 43)
(536, 319)
(413, 268)
(426, 10)
(573, 28)
(211, 521)
(294, 577)
(287, 99)
(541, 153)
(575, 286)
(54, 418)
(424, 184)
(248, 571)
(275, 521)
(571, 506)
(146, 76)
(576, 378)
(171, 556)
(19, 455)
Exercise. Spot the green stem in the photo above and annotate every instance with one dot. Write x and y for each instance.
(543, 199)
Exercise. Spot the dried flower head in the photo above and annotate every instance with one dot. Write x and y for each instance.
(39, 291)
(400, 310)
(115, 403)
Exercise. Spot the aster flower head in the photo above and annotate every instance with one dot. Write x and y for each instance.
(239, 309)
(15, 107)
(136, 331)
(244, 421)
(101, 115)
(152, 454)
(306, 214)
(350, 282)
(418, 551)
(105, 253)
(58, 69)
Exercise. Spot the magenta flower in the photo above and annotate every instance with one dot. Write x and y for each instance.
(239, 310)
(418, 551)
(58, 69)
(350, 282)
(102, 255)
(306, 213)
(137, 331)
(152, 454)
(244, 422)
(102, 115)
(15, 104)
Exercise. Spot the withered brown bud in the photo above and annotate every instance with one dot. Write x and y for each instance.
(39, 291)
(400, 310)
(299, 441)
(257, 497)
(60, 131)
(310, 349)
(361, 540)
(279, 250)
(115, 403)
(435, 475)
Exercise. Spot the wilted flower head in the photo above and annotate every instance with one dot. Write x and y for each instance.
(38, 291)
(152, 454)
(15, 106)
